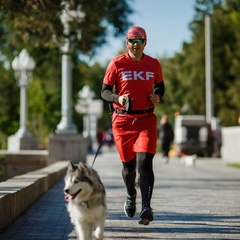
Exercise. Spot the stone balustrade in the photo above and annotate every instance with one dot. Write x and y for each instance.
(20, 192)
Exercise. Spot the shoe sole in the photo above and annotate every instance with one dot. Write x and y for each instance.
(126, 212)
(146, 217)
(144, 221)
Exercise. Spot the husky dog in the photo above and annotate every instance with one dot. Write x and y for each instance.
(189, 160)
(86, 198)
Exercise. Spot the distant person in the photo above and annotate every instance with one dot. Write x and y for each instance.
(109, 138)
(217, 139)
(210, 140)
(100, 135)
(166, 136)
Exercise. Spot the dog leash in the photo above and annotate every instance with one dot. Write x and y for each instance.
(127, 106)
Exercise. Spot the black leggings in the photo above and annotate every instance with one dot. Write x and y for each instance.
(146, 176)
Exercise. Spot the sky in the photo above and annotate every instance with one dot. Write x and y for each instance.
(166, 23)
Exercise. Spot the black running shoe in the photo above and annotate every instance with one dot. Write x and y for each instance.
(130, 206)
(146, 216)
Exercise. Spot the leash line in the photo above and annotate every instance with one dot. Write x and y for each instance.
(128, 106)
(101, 143)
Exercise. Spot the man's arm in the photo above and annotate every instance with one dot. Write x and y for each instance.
(159, 89)
(108, 94)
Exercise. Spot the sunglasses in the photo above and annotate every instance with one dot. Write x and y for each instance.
(138, 41)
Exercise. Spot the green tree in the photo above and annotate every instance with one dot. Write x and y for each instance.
(36, 26)
(224, 49)
(38, 22)
(184, 73)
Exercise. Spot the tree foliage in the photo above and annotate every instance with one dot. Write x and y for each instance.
(39, 22)
(184, 73)
(36, 26)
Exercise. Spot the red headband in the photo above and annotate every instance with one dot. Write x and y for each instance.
(136, 32)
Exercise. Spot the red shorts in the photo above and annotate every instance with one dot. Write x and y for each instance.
(134, 133)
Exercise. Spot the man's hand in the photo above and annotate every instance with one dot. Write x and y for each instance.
(154, 98)
(123, 99)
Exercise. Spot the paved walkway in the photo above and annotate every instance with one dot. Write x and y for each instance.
(189, 203)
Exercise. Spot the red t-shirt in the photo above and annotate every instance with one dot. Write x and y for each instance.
(134, 78)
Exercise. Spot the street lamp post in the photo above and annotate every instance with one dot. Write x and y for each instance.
(66, 125)
(67, 143)
(92, 110)
(23, 67)
(208, 64)
(87, 95)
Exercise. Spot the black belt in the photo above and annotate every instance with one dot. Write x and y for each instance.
(134, 111)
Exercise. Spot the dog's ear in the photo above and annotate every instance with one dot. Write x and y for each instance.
(70, 166)
(83, 168)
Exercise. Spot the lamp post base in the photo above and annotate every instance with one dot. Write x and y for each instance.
(67, 147)
(17, 143)
(66, 127)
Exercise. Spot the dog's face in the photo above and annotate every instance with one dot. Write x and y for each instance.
(78, 182)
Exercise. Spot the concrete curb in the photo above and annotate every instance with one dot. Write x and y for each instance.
(20, 192)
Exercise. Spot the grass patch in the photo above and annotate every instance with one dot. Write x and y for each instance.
(235, 165)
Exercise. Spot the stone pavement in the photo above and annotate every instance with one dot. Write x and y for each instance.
(189, 203)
